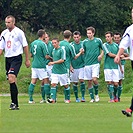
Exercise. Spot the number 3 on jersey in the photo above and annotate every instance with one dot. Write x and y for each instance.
(35, 47)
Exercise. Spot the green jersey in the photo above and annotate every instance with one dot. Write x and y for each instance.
(68, 49)
(109, 61)
(79, 62)
(50, 49)
(39, 50)
(58, 54)
(92, 50)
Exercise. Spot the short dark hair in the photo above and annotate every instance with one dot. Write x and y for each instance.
(41, 32)
(76, 33)
(118, 33)
(57, 39)
(91, 28)
(109, 32)
(67, 34)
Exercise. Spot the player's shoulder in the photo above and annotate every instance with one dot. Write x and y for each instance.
(4, 32)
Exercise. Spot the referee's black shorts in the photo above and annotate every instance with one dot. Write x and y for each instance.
(13, 64)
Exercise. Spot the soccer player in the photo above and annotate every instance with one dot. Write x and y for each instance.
(46, 91)
(59, 71)
(77, 66)
(13, 42)
(127, 42)
(117, 39)
(111, 71)
(66, 45)
(92, 57)
(39, 52)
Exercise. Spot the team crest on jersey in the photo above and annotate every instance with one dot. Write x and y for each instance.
(8, 44)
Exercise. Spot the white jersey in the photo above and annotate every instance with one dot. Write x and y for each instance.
(13, 42)
(127, 40)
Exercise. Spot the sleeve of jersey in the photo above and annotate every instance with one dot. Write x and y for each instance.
(23, 39)
(2, 42)
(45, 49)
(73, 52)
(63, 54)
(125, 42)
(106, 51)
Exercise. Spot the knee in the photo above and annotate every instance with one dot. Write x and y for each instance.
(11, 78)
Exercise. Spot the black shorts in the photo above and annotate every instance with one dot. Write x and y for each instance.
(13, 64)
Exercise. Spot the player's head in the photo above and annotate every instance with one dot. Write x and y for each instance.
(76, 36)
(10, 22)
(109, 36)
(117, 37)
(90, 32)
(41, 33)
(55, 42)
(47, 38)
(67, 34)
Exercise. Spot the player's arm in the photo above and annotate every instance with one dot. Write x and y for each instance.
(111, 55)
(27, 61)
(117, 58)
(1, 51)
(101, 56)
(80, 52)
(48, 57)
(56, 62)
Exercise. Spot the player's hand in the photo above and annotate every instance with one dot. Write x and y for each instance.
(117, 59)
(27, 63)
(50, 63)
(99, 58)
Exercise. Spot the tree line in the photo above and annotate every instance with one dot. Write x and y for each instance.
(114, 15)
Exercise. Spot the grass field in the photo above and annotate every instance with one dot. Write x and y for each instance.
(102, 117)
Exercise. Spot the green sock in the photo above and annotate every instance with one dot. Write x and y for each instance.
(53, 93)
(119, 91)
(91, 92)
(43, 92)
(31, 91)
(75, 89)
(115, 91)
(111, 92)
(47, 90)
(82, 88)
(67, 93)
(96, 89)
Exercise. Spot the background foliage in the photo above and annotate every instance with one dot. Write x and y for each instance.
(69, 14)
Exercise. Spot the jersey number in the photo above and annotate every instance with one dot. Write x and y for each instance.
(35, 47)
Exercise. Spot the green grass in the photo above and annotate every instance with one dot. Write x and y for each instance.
(102, 117)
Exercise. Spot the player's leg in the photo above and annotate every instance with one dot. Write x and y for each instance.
(115, 79)
(128, 111)
(82, 84)
(31, 90)
(88, 77)
(110, 87)
(63, 79)
(54, 82)
(95, 76)
(13, 65)
(74, 79)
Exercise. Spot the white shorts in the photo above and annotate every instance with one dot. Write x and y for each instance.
(121, 75)
(39, 73)
(77, 74)
(49, 71)
(59, 78)
(111, 75)
(91, 71)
